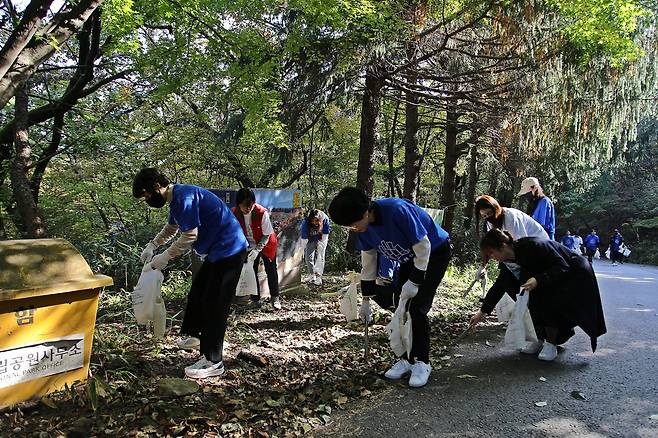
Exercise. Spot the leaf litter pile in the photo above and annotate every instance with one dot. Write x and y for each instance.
(286, 371)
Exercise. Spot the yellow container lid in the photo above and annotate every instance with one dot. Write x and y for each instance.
(36, 267)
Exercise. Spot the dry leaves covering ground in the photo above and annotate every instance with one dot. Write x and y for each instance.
(286, 371)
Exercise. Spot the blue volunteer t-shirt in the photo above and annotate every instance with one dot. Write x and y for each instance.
(219, 232)
(315, 234)
(616, 242)
(400, 225)
(568, 241)
(544, 214)
(592, 241)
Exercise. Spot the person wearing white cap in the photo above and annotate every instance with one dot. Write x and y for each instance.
(541, 207)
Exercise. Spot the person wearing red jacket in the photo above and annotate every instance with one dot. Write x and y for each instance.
(257, 227)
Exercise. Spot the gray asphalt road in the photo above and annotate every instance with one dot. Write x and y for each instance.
(620, 381)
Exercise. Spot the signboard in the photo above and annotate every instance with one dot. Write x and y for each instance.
(54, 356)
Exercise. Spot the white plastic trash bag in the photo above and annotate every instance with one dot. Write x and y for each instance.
(607, 253)
(626, 252)
(520, 329)
(247, 283)
(349, 305)
(597, 254)
(159, 317)
(504, 308)
(399, 330)
(145, 294)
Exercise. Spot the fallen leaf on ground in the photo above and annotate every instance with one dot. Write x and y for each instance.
(654, 417)
(458, 355)
(578, 395)
(541, 404)
(466, 376)
(445, 357)
(542, 379)
(488, 344)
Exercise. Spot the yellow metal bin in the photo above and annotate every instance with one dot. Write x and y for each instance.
(48, 302)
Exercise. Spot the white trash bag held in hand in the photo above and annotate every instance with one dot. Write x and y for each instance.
(145, 293)
(399, 330)
(505, 308)
(349, 305)
(247, 282)
(520, 329)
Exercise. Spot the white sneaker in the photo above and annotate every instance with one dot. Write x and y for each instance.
(276, 303)
(398, 370)
(532, 347)
(614, 263)
(548, 353)
(204, 368)
(318, 280)
(199, 363)
(190, 343)
(420, 373)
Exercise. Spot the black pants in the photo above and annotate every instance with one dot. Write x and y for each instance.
(209, 303)
(272, 276)
(419, 306)
(590, 254)
(615, 256)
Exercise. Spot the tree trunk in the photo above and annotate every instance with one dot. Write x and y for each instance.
(369, 136)
(449, 168)
(470, 191)
(411, 154)
(390, 152)
(31, 222)
(35, 52)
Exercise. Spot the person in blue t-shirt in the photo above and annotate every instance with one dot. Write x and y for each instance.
(570, 242)
(591, 245)
(540, 206)
(315, 230)
(616, 242)
(209, 228)
(403, 232)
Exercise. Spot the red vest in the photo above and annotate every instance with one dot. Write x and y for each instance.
(257, 229)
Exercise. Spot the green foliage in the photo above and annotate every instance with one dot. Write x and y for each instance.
(602, 27)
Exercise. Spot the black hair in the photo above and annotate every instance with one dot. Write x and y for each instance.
(245, 194)
(348, 206)
(495, 239)
(146, 179)
(312, 214)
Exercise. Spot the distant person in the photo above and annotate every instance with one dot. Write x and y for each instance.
(616, 244)
(207, 226)
(578, 241)
(257, 227)
(591, 245)
(563, 290)
(570, 242)
(315, 228)
(540, 206)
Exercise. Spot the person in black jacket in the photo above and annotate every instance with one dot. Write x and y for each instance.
(562, 286)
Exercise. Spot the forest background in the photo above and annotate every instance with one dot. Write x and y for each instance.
(437, 101)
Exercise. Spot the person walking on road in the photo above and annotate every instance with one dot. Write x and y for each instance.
(591, 245)
(616, 244)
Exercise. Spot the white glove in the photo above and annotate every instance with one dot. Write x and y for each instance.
(365, 311)
(252, 256)
(409, 290)
(160, 261)
(147, 254)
